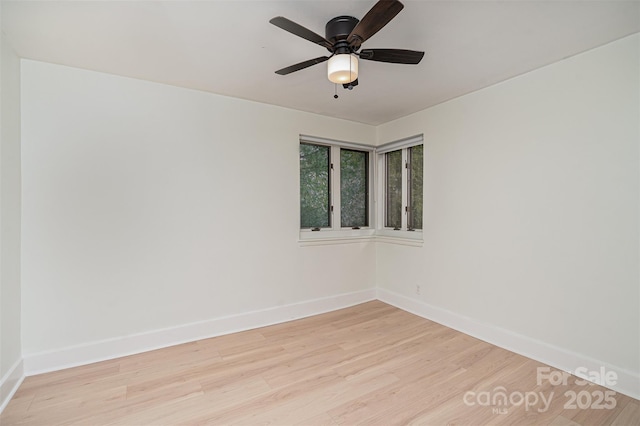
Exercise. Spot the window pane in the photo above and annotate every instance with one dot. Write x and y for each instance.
(314, 186)
(415, 186)
(393, 216)
(354, 188)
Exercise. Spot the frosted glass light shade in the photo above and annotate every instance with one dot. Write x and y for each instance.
(342, 69)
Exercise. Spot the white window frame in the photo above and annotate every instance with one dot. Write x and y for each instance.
(335, 234)
(384, 233)
(376, 231)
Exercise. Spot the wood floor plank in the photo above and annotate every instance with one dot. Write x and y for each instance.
(313, 401)
(70, 376)
(630, 415)
(371, 364)
(563, 421)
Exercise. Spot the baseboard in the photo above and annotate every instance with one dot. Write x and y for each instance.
(628, 382)
(114, 348)
(10, 383)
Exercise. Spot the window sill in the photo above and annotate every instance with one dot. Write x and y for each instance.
(403, 241)
(349, 236)
(344, 236)
(403, 237)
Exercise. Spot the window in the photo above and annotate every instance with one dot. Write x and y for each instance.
(338, 203)
(414, 181)
(335, 186)
(354, 188)
(315, 186)
(393, 187)
(401, 164)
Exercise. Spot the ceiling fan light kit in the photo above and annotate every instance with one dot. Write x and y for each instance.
(344, 36)
(343, 68)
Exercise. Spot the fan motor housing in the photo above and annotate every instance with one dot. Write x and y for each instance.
(339, 28)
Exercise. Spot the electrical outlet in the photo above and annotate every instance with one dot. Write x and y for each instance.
(418, 289)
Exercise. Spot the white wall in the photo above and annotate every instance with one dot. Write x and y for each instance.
(531, 207)
(10, 344)
(147, 206)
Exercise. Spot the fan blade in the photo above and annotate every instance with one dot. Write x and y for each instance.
(300, 31)
(395, 56)
(302, 65)
(376, 18)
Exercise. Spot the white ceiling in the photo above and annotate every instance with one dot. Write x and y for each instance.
(229, 47)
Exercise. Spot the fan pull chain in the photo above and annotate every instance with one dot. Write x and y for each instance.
(336, 91)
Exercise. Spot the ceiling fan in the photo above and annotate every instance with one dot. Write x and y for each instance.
(343, 37)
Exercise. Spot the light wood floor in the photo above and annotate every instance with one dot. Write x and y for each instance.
(371, 364)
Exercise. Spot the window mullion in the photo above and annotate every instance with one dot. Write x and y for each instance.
(373, 190)
(380, 190)
(335, 188)
(405, 191)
